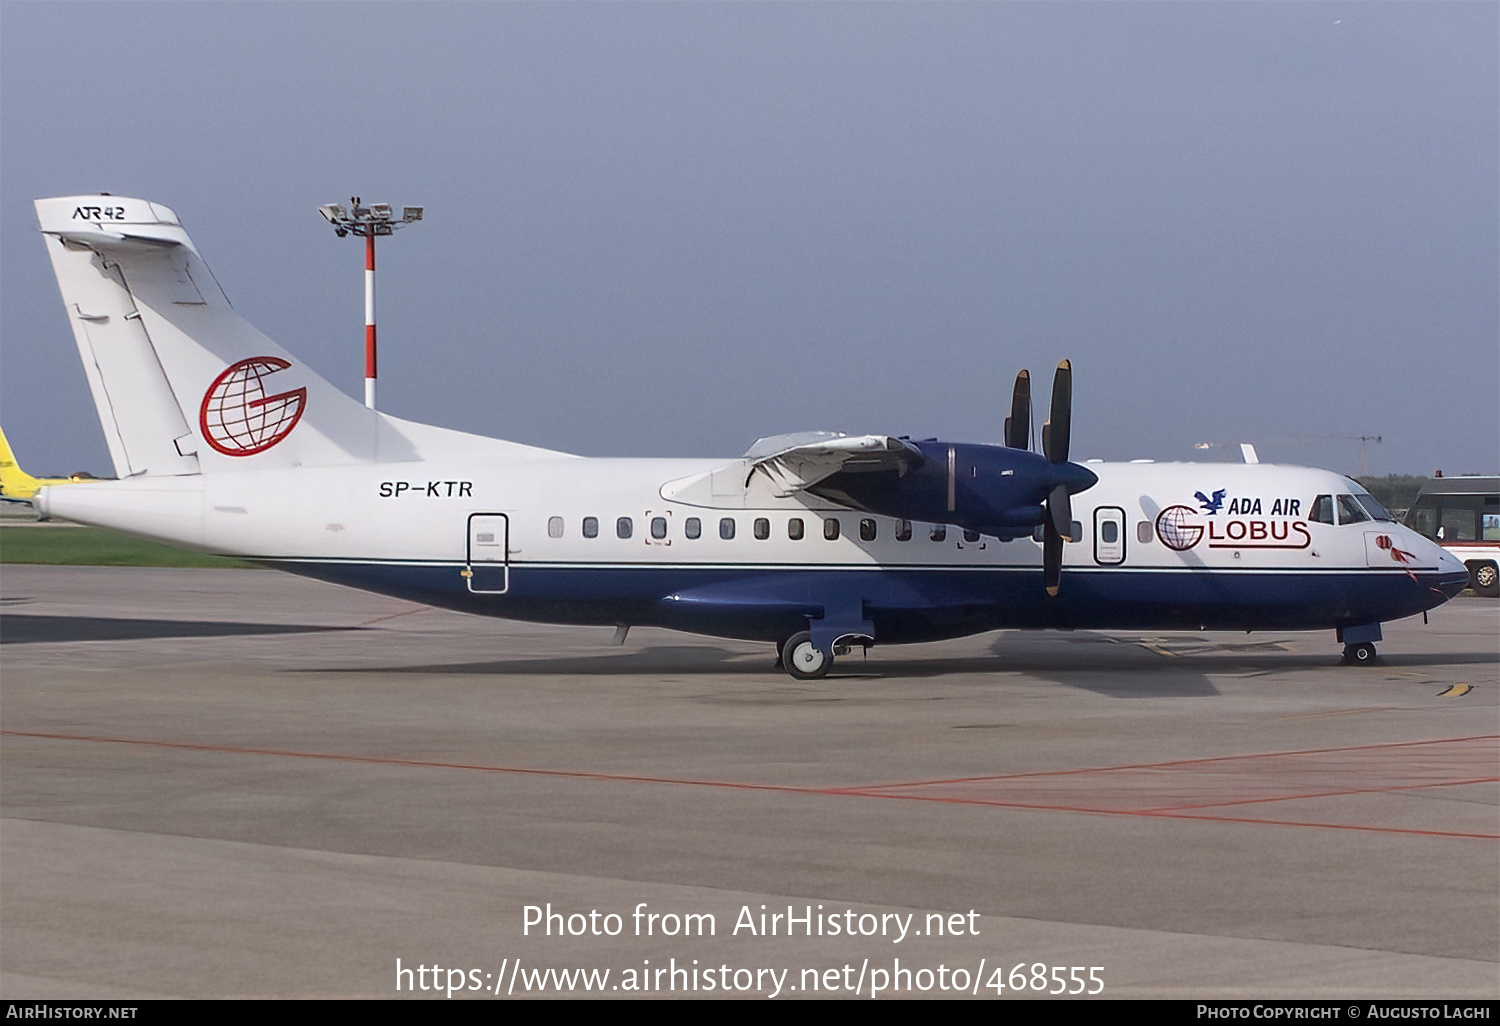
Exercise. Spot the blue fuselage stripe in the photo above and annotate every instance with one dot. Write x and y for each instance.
(905, 605)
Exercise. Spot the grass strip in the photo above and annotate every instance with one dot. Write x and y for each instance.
(72, 545)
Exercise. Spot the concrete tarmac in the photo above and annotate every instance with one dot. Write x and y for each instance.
(239, 783)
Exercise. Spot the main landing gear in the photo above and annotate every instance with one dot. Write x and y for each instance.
(1362, 654)
(804, 660)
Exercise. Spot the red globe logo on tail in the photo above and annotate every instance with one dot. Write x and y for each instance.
(239, 419)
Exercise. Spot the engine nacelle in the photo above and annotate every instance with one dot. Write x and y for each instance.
(991, 489)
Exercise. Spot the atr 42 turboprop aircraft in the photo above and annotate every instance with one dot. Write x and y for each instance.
(223, 441)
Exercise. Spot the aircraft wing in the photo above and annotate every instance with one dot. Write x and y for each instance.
(810, 459)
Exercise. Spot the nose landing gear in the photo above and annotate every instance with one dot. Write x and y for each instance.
(1361, 654)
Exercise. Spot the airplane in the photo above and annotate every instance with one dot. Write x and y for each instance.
(18, 486)
(817, 543)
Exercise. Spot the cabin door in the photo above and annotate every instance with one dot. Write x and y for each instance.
(487, 566)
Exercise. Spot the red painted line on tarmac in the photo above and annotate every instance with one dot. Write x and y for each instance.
(393, 616)
(1181, 815)
(865, 791)
(419, 763)
(1322, 794)
(1190, 762)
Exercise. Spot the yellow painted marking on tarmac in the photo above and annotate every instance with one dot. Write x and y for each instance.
(1456, 691)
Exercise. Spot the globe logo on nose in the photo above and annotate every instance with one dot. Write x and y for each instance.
(238, 418)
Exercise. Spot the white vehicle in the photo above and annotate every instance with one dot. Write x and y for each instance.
(225, 442)
(1462, 514)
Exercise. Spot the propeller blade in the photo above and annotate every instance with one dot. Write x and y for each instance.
(1056, 434)
(1052, 547)
(1058, 429)
(1060, 510)
(1018, 424)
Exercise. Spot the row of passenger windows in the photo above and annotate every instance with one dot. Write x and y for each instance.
(1351, 509)
(796, 529)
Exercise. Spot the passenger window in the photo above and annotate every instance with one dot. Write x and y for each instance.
(831, 529)
(1350, 511)
(971, 536)
(555, 527)
(1321, 511)
(867, 529)
(1109, 532)
(726, 528)
(794, 529)
(939, 532)
(658, 528)
(762, 528)
(624, 528)
(903, 530)
(1143, 532)
(1075, 531)
(591, 527)
(693, 528)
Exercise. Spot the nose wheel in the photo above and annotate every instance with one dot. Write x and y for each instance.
(1362, 654)
(804, 660)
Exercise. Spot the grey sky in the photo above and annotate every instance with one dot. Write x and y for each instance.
(666, 229)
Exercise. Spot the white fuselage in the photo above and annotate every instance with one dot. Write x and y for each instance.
(1257, 559)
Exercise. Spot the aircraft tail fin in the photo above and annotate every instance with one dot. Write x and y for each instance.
(182, 383)
(15, 483)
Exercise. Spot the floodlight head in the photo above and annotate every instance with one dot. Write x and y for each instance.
(333, 213)
(380, 211)
(409, 214)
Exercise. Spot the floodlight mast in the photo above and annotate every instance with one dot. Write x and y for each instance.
(368, 222)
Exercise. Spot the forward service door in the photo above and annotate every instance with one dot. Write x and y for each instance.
(487, 552)
(1109, 536)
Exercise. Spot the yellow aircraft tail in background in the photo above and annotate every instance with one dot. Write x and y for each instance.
(18, 486)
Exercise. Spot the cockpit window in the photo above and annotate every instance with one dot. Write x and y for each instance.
(1373, 507)
(1350, 511)
(1321, 511)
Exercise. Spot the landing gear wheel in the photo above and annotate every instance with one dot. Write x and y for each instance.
(1362, 654)
(1484, 578)
(803, 660)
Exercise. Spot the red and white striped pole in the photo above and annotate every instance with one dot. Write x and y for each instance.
(367, 222)
(370, 320)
